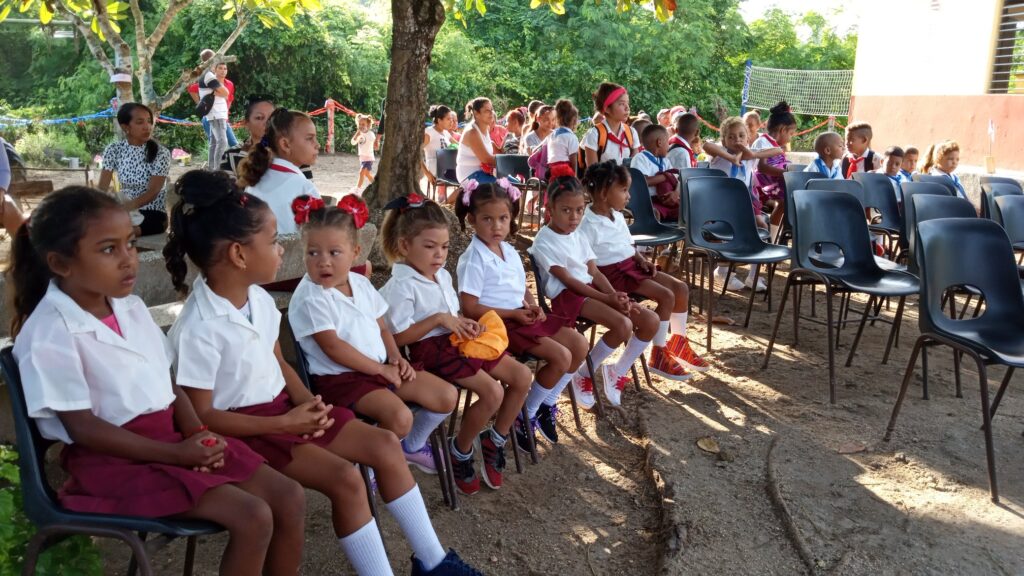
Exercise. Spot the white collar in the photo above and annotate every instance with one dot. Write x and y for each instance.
(286, 164)
(402, 271)
(78, 321)
(212, 305)
(589, 213)
(485, 252)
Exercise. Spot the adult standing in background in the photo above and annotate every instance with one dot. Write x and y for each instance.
(213, 83)
(193, 92)
(10, 217)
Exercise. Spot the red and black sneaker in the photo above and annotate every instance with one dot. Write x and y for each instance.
(465, 474)
(493, 460)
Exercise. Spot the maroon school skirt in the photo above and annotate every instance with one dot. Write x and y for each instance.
(567, 305)
(105, 484)
(438, 356)
(522, 337)
(277, 448)
(347, 388)
(665, 213)
(625, 276)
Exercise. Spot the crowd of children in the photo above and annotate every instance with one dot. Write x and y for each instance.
(234, 434)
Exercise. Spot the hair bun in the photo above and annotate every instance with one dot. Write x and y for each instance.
(780, 108)
(203, 188)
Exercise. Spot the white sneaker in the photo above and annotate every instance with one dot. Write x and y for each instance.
(614, 384)
(761, 286)
(734, 283)
(583, 387)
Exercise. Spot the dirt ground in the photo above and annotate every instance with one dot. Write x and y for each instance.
(798, 486)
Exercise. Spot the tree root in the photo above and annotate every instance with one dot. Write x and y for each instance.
(779, 504)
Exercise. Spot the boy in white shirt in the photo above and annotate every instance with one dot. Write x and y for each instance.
(684, 145)
(829, 147)
(653, 163)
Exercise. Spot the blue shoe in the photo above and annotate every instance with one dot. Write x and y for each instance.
(452, 565)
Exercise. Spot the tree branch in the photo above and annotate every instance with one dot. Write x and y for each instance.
(91, 40)
(189, 76)
(140, 27)
(115, 40)
(173, 8)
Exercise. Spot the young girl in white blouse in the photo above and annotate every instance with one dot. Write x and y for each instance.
(96, 375)
(338, 318)
(423, 313)
(610, 138)
(563, 145)
(578, 288)
(629, 271)
(271, 170)
(229, 362)
(942, 159)
(491, 277)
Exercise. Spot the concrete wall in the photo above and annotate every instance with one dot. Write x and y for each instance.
(922, 75)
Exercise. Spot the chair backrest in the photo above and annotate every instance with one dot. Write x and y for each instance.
(516, 165)
(445, 161)
(880, 195)
(937, 179)
(795, 167)
(990, 192)
(38, 500)
(703, 164)
(1002, 180)
(932, 207)
(826, 219)
(687, 173)
(301, 362)
(539, 280)
(1011, 214)
(644, 218)
(723, 201)
(795, 181)
(851, 187)
(910, 189)
(946, 245)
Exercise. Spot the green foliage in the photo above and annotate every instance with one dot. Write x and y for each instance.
(47, 147)
(76, 556)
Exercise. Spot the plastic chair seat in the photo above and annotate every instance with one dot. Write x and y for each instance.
(723, 233)
(769, 253)
(830, 257)
(657, 237)
(885, 283)
(990, 338)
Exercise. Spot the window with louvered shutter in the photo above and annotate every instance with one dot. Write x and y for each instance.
(1008, 64)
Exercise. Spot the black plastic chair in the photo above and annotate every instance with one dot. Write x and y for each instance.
(716, 231)
(55, 523)
(836, 218)
(1002, 180)
(990, 192)
(931, 207)
(646, 229)
(445, 172)
(796, 167)
(880, 196)
(910, 189)
(851, 187)
(726, 201)
(1010, 212)
(703, 164)
(518, 166)
(939, 179)
(793, 181)
(992, 338)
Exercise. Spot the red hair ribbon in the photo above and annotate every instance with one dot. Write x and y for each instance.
(615, 95)
(303, 206)
(357, 208)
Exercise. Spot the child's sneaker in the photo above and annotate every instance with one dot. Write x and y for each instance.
(679, 348)
(465, 475)
(523, 431)
(735, 284)
(614, 384)
(423, 459)
(662, 364)
(493, 461)
(546, 419)
(452, 565)
(583, 387)
(761, 286)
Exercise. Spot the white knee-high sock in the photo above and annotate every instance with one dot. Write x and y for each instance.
(598, 355)
(678, 322)
(555, 392)
(661, 336)
(423, 423)
(411, 515)
(536, 395)
(365, 550)
(634, 348)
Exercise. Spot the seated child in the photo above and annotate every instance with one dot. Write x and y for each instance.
(910, 154)
(734, 158)
(662, 183)
(629, 271)
(768, 182)
(423, 313)
(492, 278)
(577, 288)
(96, 375)
(942, 159)
(829, 146)
(860, 157)
(229, 361)
(685, 142)
(752, 120)
(338, 319)
(562, 145)
(893, 168)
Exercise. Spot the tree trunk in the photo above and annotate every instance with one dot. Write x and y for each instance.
(415, 27)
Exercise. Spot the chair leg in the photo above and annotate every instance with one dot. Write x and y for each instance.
(711, 296)
(778, 320)
(572, 401)
(531, 438)
(831, 346)
(728, 276)
(895, 330)
(364, 471)
(515, 449)
(986, 417)
(918, 347)
(753, 293)
(190, 556)
(924, 373)
(860, 330)
(1002, 388)
(798, 297)
(636, 378)
(438, 441)
(647, 373)
(598, 402)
